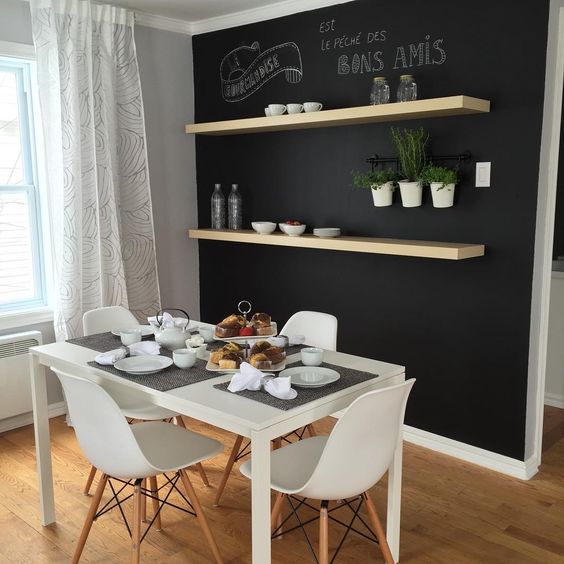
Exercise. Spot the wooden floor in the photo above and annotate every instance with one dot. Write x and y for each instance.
(452, 512)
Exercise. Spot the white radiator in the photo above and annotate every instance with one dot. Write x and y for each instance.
(15, 386)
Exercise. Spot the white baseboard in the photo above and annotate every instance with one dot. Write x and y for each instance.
(524, 470)
(554, 400)
(55, 409)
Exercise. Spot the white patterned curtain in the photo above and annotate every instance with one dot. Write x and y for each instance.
(96, 160)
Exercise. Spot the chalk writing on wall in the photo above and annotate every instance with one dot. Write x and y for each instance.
(370, 53)
(246, 69)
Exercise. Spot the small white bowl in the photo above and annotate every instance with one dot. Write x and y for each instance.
(312, 356)
(184, 358)
(263, 227)
(292, 230)
(327, 232)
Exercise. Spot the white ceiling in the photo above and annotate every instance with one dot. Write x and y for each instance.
(194, 10)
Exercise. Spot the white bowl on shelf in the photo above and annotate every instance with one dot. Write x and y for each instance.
(263, 227)
(327, 232)
(292, 230)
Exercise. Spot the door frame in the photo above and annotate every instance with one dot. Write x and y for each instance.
(544, 235)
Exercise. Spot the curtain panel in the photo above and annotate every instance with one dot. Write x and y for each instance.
(99, 200)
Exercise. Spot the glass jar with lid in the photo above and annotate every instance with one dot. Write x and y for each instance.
(407, 89)
(380, 93)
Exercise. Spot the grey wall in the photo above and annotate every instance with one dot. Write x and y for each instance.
(165, 61)
(165, 66)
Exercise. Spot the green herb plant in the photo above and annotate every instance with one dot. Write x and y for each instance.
(441, 174)
(375, 179)
(410, 145)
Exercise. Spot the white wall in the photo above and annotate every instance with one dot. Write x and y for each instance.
(554, 391)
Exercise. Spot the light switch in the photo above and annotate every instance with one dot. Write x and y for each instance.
(483, 173)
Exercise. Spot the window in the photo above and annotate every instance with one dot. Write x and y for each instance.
(22, 273)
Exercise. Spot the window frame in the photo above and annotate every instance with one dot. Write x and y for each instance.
(21, 58)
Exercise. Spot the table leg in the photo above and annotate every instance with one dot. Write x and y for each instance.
(394, 500)
(42, 440)
(260, 455)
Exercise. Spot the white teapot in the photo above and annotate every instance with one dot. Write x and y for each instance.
(171, 332)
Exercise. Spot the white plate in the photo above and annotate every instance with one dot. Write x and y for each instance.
(311, 376)
(215, 368)
(251, 338)
(148, 364)
(327, 232)
(145, 330)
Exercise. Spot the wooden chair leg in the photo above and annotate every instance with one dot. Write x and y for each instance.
(378, 529)
(228, 468)
(138, 499)
(203, 475)
(144, 503)
(276, 511)
(323, 556)
(311, 430)
(90, 518)
(200, 516)
(89, 480)
(155, 500)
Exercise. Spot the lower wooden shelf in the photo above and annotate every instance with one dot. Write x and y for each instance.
(401, 247)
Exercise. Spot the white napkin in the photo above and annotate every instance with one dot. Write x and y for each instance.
(143, 348)
(281, 388)
(296, 339)
(250, 378)
(166, 321)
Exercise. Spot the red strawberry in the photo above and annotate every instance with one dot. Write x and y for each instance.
(246, 332)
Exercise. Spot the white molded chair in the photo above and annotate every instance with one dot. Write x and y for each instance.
(344, 465)
(132, 455)
(320, 330)
(133, 404)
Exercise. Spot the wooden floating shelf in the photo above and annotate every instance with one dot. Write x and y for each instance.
(434, 107)
(401, 247)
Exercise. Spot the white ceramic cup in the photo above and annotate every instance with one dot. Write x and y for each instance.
(130, 336)
(202, 352)
(184, 358)
(207, 333)
(312, 356)
(294, 108)
(312, 106)
(276, 109)
(267, 112)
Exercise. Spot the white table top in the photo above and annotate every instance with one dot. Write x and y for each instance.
(206, 403)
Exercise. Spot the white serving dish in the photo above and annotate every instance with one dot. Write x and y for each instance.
(292, 230)
(146, 330)
(147, 364)
(263, 227)
(327, 232)
(311, 376)
(215, 368)
(251, 337)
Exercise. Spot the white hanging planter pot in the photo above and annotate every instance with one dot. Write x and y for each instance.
(411, 193)
(443, 194)
(382, 195)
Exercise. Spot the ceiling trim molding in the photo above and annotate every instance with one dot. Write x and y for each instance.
(269, 12)
(162, 22)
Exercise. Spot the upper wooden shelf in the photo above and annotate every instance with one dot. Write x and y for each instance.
(424, 249)
(434, 107)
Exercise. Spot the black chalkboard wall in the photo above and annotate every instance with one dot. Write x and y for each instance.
(460, 328)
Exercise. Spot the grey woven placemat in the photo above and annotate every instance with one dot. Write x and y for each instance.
(168, 379)
(102, 342)
(349, 377)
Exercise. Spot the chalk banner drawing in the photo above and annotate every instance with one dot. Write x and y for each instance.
(245, 69)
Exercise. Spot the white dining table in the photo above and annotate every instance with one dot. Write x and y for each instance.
(252, 419)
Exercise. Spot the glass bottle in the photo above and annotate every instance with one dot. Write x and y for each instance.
(380, 93)
(217, 208)
(235, 208)
(407, 89)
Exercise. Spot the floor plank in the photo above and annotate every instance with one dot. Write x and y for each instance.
(452, 512)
